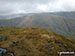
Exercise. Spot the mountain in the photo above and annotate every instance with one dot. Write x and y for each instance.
(33, 41)
(70, 15)
(11, 16)
(60, 24)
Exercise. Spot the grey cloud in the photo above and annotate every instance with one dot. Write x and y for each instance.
(30, 6)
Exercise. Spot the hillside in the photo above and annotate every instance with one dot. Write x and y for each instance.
(59, 24)
(70, 14)
(33, 41)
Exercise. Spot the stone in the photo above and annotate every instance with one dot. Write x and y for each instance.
(51, 48)
(11, 54)
(2, 50)
(15, 43)
(3, 38)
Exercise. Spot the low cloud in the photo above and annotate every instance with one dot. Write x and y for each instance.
(35, 6)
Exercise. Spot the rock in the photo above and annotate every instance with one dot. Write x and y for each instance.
(3, 38)
(2, 50)
(15, 43)
(11, 54)
(11, 46)
(1, 55)
(45, 35)
(51, 48)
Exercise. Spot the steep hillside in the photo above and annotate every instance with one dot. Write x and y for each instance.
(33, 42)
(59, 24)
(65, 14)
(55, 23)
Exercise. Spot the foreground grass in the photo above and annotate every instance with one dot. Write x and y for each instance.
(34, 41)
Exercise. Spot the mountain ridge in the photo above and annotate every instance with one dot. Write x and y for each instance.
(59, 24)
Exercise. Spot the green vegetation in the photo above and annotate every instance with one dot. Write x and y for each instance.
(34, 41)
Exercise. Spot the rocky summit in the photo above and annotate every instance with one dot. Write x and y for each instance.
(33, 41)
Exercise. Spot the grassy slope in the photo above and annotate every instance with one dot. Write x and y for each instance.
(34, 41)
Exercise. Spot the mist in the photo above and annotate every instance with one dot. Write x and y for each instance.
(35, 6)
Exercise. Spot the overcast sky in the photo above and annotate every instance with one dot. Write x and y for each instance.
(35, 6)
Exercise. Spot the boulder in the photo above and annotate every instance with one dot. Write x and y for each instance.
(2, 50)
(15, 43)
(3, 38)
(11, 54)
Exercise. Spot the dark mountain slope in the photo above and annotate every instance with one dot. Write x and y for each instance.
(59, 24)
(55, 23)
(70, 15)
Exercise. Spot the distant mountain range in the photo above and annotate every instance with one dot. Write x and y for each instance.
(61, 22)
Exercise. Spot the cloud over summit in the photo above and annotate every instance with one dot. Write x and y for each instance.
(35, 6)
